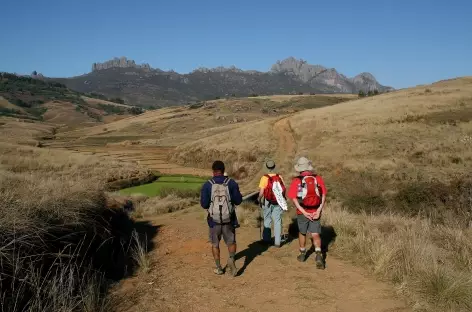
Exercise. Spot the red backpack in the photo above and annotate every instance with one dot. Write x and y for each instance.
(309, 192)
(268, 193)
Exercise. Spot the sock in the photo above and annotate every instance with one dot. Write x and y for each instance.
(232, 254)
(317, 249)
(218, 264)
(302, 250)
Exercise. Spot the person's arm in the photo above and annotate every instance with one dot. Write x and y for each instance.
(236, 196)
(292, 194)
(321, 184)
(205, 195)
(303, 211)
(262, 186)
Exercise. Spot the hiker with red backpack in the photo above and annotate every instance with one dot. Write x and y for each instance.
(308, 193)
(271, 203)
(219, 196)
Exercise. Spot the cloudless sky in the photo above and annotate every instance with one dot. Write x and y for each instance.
(401, 42)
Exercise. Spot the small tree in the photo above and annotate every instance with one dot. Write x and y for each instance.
(361, 93)
(370, 93)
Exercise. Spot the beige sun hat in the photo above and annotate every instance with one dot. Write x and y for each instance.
(270, 164)
(303, 164)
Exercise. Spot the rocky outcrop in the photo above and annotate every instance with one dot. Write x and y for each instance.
(121, 62)
(316, 75)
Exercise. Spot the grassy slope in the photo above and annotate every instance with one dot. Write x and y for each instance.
(174, 126)
(32, 99)
(60, 244)
(381, 156)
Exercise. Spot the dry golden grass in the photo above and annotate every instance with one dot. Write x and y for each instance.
(283, 98)
(160, 205)
(93, 101)
(401, 162)
(5, 104)
(180, 125)
(66, 117)
(430, 263)
(24, 132)
(406, 133)
(59, 242)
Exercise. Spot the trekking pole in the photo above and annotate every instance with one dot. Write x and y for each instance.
(261, 220)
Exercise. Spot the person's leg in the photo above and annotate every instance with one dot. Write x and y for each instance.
(267, 213)
(302, 222)
(315, 229)
(215, 233)
(277, 215)
(229, 236)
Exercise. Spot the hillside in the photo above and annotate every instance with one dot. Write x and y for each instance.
(26, 99)
(176, 125)
(397, 167)
(145, 86)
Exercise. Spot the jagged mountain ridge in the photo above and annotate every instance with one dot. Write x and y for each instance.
(146, 86)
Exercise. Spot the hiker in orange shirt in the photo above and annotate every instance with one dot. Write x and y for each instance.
(270, 207)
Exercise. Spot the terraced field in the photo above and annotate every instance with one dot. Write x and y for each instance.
(154, 158)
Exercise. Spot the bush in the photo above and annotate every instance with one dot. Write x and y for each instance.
(135, 110)
(117, 100)
(430, 263)
(361, 94)
(60, 244)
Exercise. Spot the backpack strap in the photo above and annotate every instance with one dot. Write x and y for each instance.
(226, 181)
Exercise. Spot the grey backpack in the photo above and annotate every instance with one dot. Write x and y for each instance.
(221, 207)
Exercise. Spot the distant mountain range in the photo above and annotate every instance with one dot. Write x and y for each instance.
(146, 86)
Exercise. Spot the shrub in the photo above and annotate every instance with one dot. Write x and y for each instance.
(60, 244)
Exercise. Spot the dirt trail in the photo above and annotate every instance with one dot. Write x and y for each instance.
(285, 152)
(181, 277)
(269, 279)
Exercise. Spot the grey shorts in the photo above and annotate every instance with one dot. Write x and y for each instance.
(305, 225)
(226, 230)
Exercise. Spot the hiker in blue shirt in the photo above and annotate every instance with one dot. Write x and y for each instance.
(221, 217)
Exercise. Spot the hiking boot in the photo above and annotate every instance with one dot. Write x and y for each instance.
(319, 260)
(232, 267)
(302, 256)
(218, 271)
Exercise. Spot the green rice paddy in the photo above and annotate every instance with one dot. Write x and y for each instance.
(165, 184)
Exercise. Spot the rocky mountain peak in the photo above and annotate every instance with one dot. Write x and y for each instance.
(366, 76)
(121, 62)
(299, 67)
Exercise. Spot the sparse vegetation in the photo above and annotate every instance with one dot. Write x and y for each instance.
(60, 244)
(429, 263)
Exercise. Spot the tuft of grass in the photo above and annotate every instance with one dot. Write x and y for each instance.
(60, 245)
(139, 252)
(430, 263)
(161, 205)
(248, 214)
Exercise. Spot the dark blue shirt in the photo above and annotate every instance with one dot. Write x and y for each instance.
(234, 193)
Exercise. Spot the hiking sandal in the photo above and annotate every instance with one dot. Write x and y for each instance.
(232, 267)
(218, 271)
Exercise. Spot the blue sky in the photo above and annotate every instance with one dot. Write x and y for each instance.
(403, 43)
